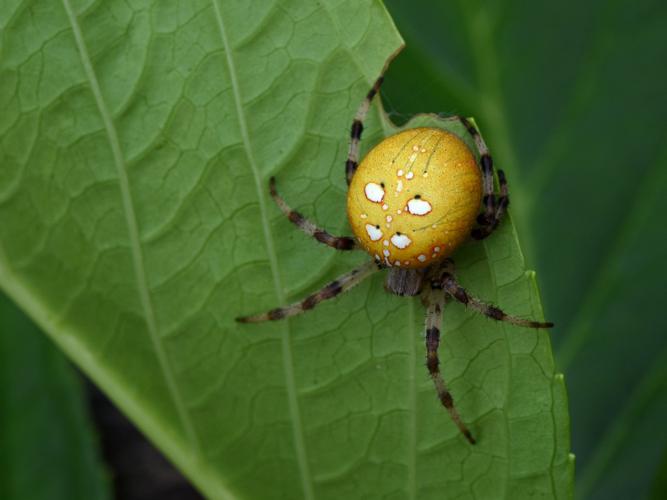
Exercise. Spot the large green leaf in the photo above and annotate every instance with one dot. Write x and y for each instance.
(136, 225)
(43, 427)
(571, 98)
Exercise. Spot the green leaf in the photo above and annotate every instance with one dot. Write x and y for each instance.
(135, 152)
(570, 99)
(48, 451)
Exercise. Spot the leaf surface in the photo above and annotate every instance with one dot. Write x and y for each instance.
(137, 225)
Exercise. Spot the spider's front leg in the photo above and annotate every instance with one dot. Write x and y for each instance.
(337, 242)
(495, 206)
(336, 287)
(357, 128)
(434, 300)
(447, 280)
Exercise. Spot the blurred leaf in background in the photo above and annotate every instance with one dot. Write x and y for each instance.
(49, 451)
(571, 97)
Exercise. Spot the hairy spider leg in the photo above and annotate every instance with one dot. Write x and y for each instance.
(494, 205)
(434, 300)
(357, 127)
(488, 225)
(337, 242)
(502, 203)
(449, 284)
(336, 287)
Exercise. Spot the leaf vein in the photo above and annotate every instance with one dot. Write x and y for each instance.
(133, 230)
(292, 396)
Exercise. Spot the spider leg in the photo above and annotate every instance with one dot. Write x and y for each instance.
(337, 242)
(494, 206)
(357, 127)
(450, 285)
(435, 300)
(341, 284)
(502, 203)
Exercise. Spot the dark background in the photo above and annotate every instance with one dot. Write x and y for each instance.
(571, 99)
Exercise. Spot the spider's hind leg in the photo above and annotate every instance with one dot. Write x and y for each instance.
(434, 299)
(449, 284)
(336, 287)
(337, 242)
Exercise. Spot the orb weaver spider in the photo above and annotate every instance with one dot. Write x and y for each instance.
(411, 202)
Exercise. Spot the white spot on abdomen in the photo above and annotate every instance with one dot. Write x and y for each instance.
(421, 258)
(374, 233)
(419, 207)
(400, 240)
(409, 175)
(374, 192)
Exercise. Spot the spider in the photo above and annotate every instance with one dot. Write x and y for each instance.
(411, 202)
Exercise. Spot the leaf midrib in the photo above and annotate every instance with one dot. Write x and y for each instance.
(286, 347)
(133, 231)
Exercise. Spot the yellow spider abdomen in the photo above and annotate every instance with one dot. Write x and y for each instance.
(414, 198)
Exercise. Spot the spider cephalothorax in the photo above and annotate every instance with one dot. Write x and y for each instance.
(413, 200)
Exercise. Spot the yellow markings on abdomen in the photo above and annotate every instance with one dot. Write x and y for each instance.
(429, 181)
